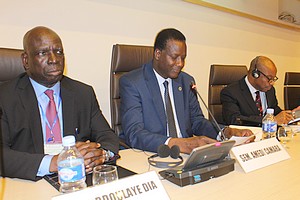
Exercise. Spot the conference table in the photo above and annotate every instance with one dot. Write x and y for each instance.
(277, 181)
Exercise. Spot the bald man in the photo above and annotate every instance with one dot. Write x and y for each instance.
(27, 148)
(245, 102)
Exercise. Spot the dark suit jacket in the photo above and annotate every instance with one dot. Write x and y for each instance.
(22, 137)
(239, 107)
(143, 114)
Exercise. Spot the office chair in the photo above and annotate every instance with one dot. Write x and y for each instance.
(10, 67)
(124, 59)
(291, 90)
(220, 77)
(10, 64)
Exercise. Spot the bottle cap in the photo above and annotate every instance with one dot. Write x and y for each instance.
(270, 111)
(68, 140)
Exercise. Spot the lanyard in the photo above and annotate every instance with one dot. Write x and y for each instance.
(50, 126)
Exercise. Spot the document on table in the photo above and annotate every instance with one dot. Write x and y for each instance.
(240, 140)
(294, 121)
(257, 131)
(296, 116)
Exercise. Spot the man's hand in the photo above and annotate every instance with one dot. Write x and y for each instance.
(92, 153)
(53, 164)
(284, 117)
(229, 132)
(186, 145)
(295, 109)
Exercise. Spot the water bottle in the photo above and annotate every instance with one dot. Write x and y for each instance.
(71, 170)
(269, 124)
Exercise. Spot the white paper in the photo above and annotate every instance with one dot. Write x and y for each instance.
(240, 140)
(257, 131)
(293, 121)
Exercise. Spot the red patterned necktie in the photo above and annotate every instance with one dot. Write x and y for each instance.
(258, 103)
(53, 134)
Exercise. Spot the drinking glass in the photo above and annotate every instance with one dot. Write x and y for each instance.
(283, 136)
(104, 174)
(290, 131)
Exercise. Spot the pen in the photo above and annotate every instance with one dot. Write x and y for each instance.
(76, 133)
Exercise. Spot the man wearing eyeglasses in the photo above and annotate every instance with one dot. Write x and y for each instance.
(245, 102)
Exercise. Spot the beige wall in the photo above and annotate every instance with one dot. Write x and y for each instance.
(89, 28)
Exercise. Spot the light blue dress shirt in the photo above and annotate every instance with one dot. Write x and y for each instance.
(43, 101)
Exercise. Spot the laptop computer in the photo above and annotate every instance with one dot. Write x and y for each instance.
(203, 163)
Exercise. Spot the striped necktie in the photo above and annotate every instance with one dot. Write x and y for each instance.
(258, 103)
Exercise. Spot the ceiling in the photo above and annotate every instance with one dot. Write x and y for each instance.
(289, 11)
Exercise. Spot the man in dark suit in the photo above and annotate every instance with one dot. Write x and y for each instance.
(145, 121)
(24, 122)
(240, 101)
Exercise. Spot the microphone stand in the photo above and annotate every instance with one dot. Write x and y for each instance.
(194, 88)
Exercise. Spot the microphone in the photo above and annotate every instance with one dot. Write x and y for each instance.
(194, 88)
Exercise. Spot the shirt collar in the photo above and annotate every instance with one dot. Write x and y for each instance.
(251, 88)
(40, 89)
(161, 79)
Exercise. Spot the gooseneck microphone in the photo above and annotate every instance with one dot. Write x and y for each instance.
(194, 88)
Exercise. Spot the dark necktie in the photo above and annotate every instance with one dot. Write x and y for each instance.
(53, 134)
(258, 103)
(169, 112)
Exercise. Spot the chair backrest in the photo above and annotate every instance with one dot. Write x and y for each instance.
(220, 77)
(10, 64)
(291, 90)
(124, 59)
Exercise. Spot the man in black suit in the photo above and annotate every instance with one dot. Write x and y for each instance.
(24, 122)
(239, 98)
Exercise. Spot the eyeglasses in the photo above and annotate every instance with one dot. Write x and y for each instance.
(270, 80)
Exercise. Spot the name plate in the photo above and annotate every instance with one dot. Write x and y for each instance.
(260, 154)
(141, 186)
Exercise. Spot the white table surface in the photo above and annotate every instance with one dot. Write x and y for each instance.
(278, 181)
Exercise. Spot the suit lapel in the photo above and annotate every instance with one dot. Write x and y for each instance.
(179, 103)
(154, 90)
(248, 96)
(30, 103)
(68, 101)
(269, 98)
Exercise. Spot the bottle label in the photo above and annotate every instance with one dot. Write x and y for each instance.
(71, 174)
(269, 127)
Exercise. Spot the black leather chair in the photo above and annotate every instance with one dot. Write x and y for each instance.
(124, 59)
(10, 64)
(10, 67)
(220, 77)
(291, 90)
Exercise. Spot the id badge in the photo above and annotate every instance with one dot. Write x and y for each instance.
(53, 149)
